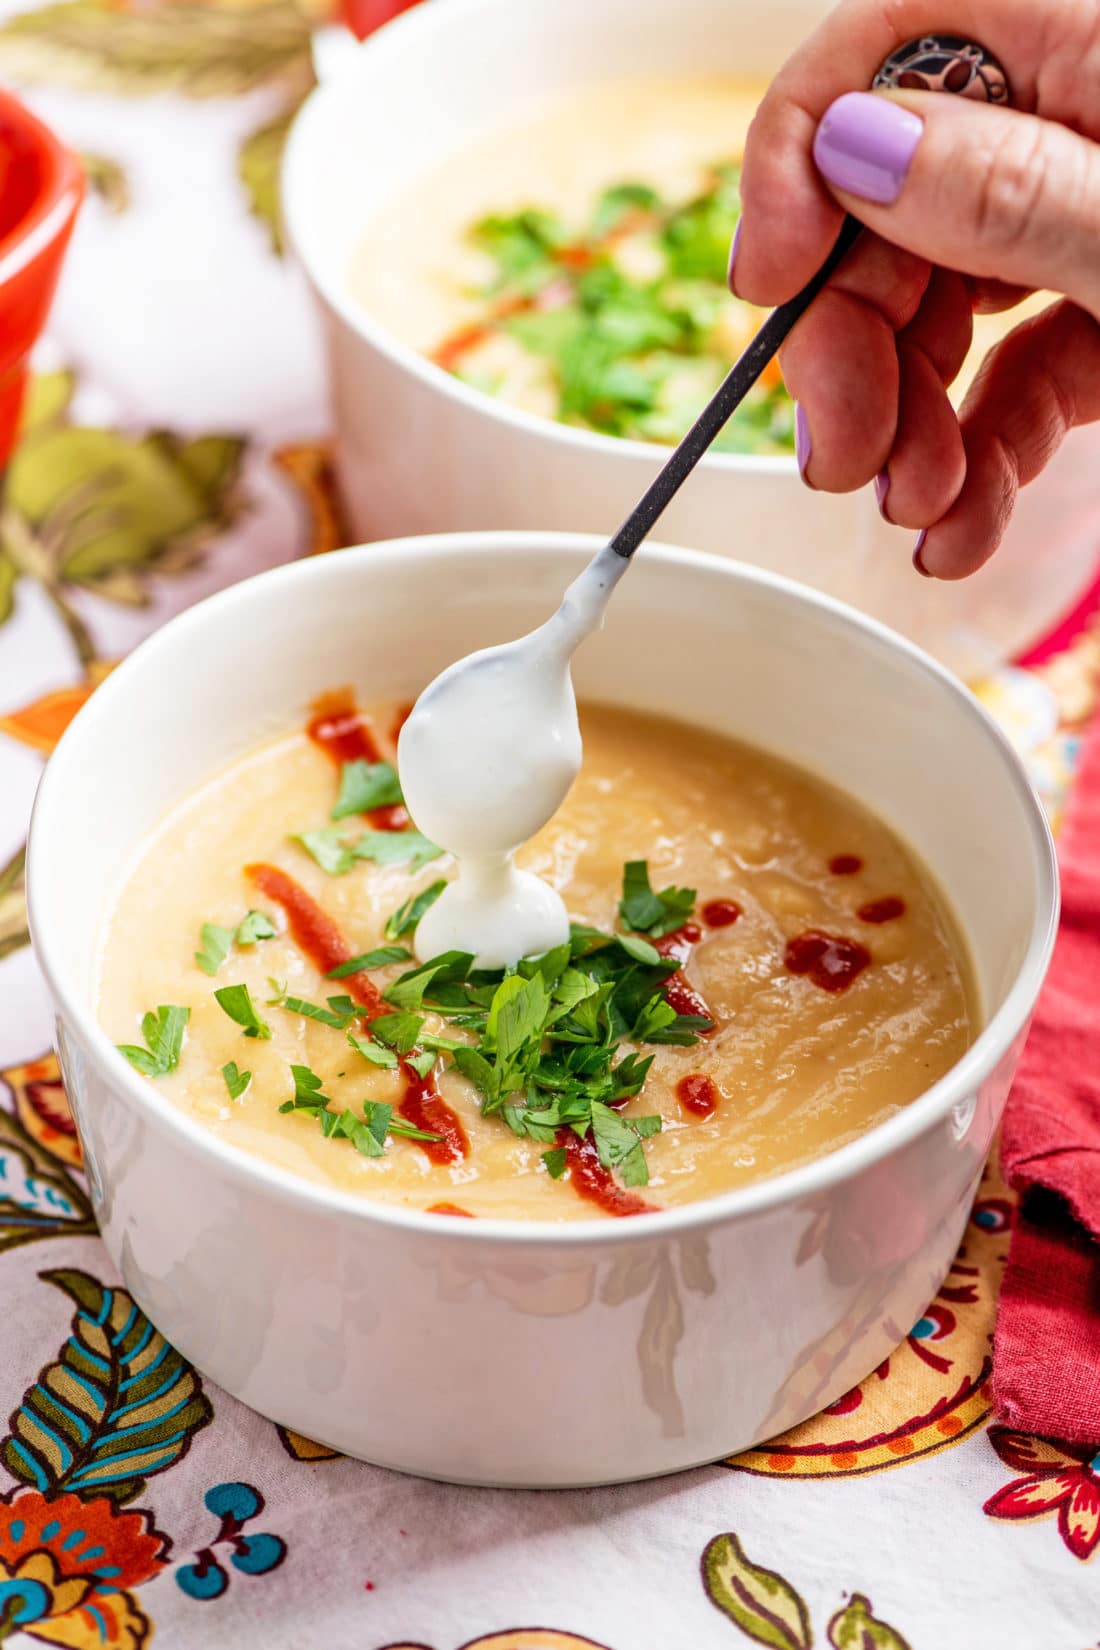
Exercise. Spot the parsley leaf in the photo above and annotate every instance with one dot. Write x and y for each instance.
(366, 785)
(377, 1053)
(650, 913)
(163, 1033)
(396, 848)
(398, 1031)
(555, 1162)
(377, 958)
(405, 919)
(238, 1004)
(337, 855)
(235, 1081)
(257, 925)
(339, 1013)
(216, 944)
(328, 848)
(409, 990)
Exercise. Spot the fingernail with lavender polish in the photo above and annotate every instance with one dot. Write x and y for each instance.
(918, 555)
(803, 445)
(733, 252)
(882, 487)
(865, 145)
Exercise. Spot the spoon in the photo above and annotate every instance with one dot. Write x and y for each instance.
(493, 745)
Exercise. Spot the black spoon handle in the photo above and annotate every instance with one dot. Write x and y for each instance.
(740, 380)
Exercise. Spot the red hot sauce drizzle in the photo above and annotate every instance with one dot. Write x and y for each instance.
(681, 996)
(315, 933)
(846, 865)
(698, 1094)
(831, 961)
(341, 730)
(882, 910)
(595, 1183)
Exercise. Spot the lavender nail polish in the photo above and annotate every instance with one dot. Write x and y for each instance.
(803, 445)
(865, 146)
(882, 487)
(918, 557)
(733, 251)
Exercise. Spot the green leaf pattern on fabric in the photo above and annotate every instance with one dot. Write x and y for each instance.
(175, 46)
(856, 1628)
(118, 1405)
(761, 1603)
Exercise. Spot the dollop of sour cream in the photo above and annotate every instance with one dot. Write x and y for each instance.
(486, 758)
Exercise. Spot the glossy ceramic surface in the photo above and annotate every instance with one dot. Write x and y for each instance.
(393, 1336)
(41, 187)
(446, 74)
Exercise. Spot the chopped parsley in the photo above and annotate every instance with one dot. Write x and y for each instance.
(257, 925)
(626, 316)
(217, 942)
(339, 1013)
(337, 854)
(235, 1081)
(237, 1003)
(377, 1053)
(405, 919)
(163, 1033)
(396, 848)
(543, 1043)
(366, 1133)
(216, 945)
(378, 958)
(650, 913)
(366, 785)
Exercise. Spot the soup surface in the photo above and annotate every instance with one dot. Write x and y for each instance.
(821, 988)
(575, 265)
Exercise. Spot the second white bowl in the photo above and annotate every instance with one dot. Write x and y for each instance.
(447, 74)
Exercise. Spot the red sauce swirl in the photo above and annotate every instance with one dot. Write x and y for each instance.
(831, 961)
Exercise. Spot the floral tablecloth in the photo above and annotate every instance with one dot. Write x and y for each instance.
(174, 442)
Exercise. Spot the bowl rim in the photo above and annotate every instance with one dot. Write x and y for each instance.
(371, 57)
(282, 1185)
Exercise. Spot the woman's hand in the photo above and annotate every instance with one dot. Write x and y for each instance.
(972, 206)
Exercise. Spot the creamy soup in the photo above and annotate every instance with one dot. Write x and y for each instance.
(821, 984)
(575, 265)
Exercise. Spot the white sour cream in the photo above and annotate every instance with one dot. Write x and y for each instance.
(487, 757)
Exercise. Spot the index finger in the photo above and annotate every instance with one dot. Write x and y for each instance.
(790, 220)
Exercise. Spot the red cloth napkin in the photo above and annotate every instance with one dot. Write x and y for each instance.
(1046, 1349)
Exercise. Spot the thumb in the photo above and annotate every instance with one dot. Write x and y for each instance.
(989, 192)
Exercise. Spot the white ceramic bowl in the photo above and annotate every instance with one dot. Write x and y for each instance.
(487, 1351)
(449, 72)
